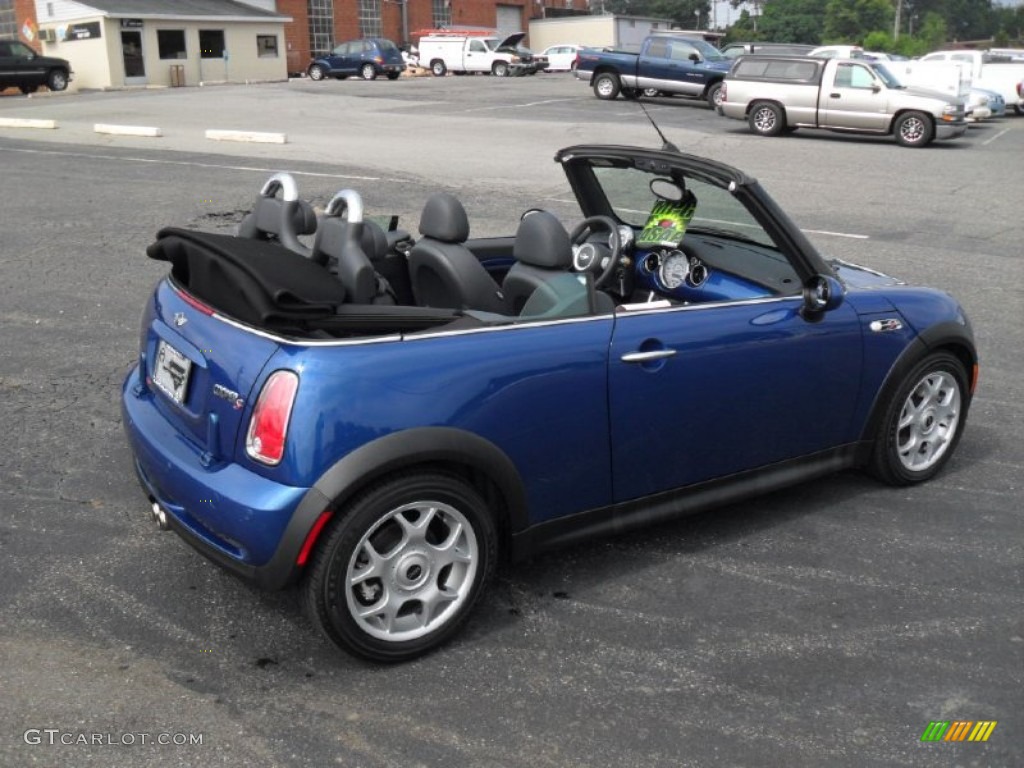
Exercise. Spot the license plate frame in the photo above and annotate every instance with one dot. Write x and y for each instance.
(171, 372)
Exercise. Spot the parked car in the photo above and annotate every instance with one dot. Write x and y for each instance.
(777, 94)
(561, 58)
(996, 73)
(735, 50)
(667, 64)
(368, 58)
(476, 51)
(983, 104)
(684, 346)
(23, 68)
(838, 52)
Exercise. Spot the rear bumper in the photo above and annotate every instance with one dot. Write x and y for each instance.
(242, 521)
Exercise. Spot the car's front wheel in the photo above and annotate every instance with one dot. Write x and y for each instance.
(499, 69)
(57, 80)
(402, 567)
(923, 422)
(914, 129)
(607, 86)
(368, 72)
(316, 72)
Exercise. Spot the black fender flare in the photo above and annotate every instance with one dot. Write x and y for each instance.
(949, 335)
(377, 459)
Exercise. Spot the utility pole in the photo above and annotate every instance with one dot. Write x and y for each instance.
(896, 24)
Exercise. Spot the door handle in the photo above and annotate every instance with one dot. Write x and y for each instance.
(835, 95)
(646, 357)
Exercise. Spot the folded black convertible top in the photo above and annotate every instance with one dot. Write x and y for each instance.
(259, 283)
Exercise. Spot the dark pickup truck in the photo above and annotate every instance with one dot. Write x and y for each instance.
(669, 64)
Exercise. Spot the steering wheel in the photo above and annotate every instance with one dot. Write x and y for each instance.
(587, 257)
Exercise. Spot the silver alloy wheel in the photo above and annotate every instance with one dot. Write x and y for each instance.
(57, 81)
(718, 96)
(368, 72)
(765, 119)
(411, 572)
(606, 87)
(316, 72)
(912, 129)
(928, 421)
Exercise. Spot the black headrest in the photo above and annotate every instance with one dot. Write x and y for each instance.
(374, 240)
(444, 219)
(542, 241)
(268, 213)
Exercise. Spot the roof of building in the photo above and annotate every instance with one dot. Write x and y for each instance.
(188, 8)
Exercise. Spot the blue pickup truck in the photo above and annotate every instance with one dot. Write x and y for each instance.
(669, 64)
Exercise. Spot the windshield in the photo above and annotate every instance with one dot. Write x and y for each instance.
(715, 209)
(887, 77)
(708, 51)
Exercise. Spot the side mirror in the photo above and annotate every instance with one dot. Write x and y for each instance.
(876, 88)
(821, 294)
(695, 57)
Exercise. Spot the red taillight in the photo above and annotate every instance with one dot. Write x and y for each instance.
(268, 429)
(195, 303)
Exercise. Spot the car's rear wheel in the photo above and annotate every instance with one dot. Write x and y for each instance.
(316, 72)
(27, 89)
(57, 80)
(766, 119)
(607, 86)
(923, 422)
(402, 567)
(650, 92)
(368, 72)
(914, 129)
(499, 69)
(438, 68)
(393, 75)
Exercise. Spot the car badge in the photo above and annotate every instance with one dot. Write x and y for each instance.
(179, 319)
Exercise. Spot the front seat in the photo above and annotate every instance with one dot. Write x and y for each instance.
(280, 219)
(444, 272)
(542, 252)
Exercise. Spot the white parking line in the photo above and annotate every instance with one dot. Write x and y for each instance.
(517, 106)
(993, 138)
(92, 156)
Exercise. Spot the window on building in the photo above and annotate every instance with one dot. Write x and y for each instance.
(8, 22)
(171, 43)
(442, 11)
(321, 26)
(211, 43)
(266, 46)
(369, 18)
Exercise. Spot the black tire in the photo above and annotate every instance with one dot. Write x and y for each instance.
(607, 86)
(433, 539)
(368, 72)
(393, 75)
(923, 422)
(438, 68)
(714, 94)
(913, 129)
(316, 72)
(57, 80)
(499, 69)
(650, 92)
(27, 89)
(766, 119)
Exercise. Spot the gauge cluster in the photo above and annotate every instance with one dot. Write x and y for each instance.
(674, 269)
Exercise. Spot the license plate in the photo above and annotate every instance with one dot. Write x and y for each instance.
(171, 371)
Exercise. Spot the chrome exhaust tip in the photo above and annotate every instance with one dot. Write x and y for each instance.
(160, 517)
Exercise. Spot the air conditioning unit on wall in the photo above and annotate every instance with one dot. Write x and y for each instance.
(47, 36)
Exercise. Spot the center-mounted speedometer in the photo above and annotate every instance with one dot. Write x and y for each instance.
(674, 269)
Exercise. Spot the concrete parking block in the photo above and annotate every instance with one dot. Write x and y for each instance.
(251, 136)
(128, 130)
(25, 122)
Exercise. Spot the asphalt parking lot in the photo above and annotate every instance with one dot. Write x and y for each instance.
(824, 625)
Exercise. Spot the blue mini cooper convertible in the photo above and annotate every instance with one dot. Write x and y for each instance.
(383, 419)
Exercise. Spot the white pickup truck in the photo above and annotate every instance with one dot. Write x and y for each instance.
(987, 70)
(472, 52)
(777, 94)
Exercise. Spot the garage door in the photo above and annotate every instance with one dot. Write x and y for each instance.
(509, 20)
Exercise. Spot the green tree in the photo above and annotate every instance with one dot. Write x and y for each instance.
(792, 21)
(683, 13)
(848, 21)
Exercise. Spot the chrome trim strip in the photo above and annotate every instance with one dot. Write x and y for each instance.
(646, 357)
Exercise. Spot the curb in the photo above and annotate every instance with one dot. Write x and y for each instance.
(127, 130)
(250, 136)
(25, 122)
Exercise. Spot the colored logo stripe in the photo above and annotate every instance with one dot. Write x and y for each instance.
(959, 730)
